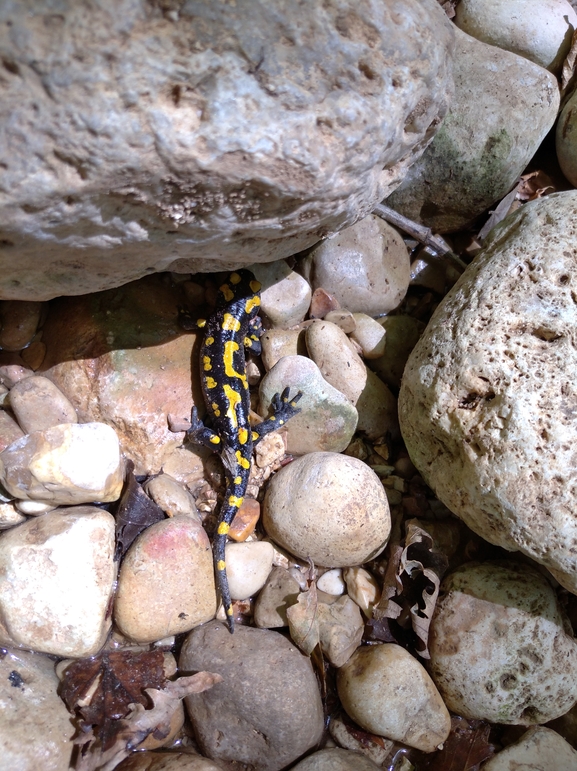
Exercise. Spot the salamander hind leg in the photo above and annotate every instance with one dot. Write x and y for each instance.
(283, 408)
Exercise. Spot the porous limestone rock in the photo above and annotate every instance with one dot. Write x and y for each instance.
(488, 403)
(143, 136)
(539, 749)
(503, 107)
(501, 645)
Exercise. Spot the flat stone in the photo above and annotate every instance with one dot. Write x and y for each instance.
(500, 649)
(57, 576)
(336, 357)
(267, 711)
(38, 404)
(168, 761)
(195, 138)
(341, 628)
(248, 566)
(487, 405)
(326, 421)
(36, 731)
(121, 358)
(166, 581)
(277, 343)
(171, 496)
(369, 334)
(67, 464)
(279, 593)
(351, 522)
(490, 134)
(10, 431)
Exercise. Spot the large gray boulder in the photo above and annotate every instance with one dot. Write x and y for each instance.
(145, 136)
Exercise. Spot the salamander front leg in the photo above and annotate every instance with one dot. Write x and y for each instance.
(283, 408)
(198, 433)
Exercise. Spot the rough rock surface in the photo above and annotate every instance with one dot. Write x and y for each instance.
(35, 727)
(267, 711)
(503, 107)
(539, 749)
(335, 759)
(501, 646)
(154, 136)
(57, 577)
(488, 404)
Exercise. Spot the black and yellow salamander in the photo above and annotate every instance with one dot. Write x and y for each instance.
(233, 327)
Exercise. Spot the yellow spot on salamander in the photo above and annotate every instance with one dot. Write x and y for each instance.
(215, 409)
(272, 417)
(229, 610)
(229, 323)
(242, 462)
(233, 400)
(221, 565)
(234, 278)
(215, 439)
(254, 302)
(227, 292)
(210, 382)
(254, 436)
(200, 323)
(209, 341)
(255, 286)
(223, 528)
(247, 342)
(230, 348)
(207, 366)
(235, 501)
(242, 435)
(237, 480)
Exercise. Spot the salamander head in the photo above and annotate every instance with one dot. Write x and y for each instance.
(241, 285)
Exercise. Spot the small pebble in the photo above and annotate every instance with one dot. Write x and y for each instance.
(285, 295)
(33, 508)
(245, 520)
(280, 591)
(344, 319)
(373, 747)
(168, 761)
(336, 358)
(171, 496)
(38, 404)
(166, 582)
(248, 566)
(57, 574)
(326, 421)
(351, 522)
(67, 464)
(34, 355)
(13, 369)
(10, 516)
(332, 582)
(370, 335)
(322, 302)
(389, 693)
(377, 409)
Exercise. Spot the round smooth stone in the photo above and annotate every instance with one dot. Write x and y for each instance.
(248, 566)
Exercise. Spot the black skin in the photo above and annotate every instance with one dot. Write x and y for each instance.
(233, 327)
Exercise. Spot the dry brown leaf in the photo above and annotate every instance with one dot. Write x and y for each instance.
(302, 618)
(569, 71)
(140, 722)
(466, 747)
(449, 7)
(534, 185)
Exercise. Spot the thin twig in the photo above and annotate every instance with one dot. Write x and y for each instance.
(421, 233)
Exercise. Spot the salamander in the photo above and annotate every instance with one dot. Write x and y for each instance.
(233, 327)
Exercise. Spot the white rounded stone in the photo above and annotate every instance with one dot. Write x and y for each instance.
(332, 582)
(248, 566)
(56, 578)
(389, 693)
(285, 295)
(370, 335)
(539, 749)
(66, 464)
